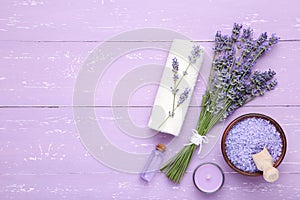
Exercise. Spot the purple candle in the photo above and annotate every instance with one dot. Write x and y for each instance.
(208, 177)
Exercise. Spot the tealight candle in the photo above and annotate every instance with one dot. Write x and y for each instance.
(208, 177)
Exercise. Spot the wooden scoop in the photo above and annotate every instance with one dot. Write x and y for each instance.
(264, 162)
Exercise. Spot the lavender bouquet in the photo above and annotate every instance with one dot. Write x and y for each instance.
(231, 84)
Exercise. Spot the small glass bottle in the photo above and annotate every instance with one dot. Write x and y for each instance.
(153, 163)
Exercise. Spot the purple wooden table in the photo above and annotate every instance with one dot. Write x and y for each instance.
(43, 45)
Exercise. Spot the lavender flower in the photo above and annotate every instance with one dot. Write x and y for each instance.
(174, 90)
(219, 42)
(247, 33)
(232, 84)
(175, 77)
(235, 57)
(183, 96)
(236, 31)
(273, 40)
(175, 65)
(175, 69)
(195, 54)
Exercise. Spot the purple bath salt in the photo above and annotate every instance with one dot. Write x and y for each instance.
(249, 137)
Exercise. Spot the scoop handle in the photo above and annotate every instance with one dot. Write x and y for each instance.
(264, 162)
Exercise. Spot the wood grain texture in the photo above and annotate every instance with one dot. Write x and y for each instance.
(38, 20)
(43, 45)
(44, 74)
(49, 137)
(121, 186)
(42, 162)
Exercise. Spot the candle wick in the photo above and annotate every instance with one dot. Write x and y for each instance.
(208, 177)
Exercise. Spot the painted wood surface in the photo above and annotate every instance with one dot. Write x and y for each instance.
(43, 45)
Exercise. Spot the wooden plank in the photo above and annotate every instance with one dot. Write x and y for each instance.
(43, 45)
(31, 139)
(45, 74)
(98, 20)
(35, 72)
(124, 186)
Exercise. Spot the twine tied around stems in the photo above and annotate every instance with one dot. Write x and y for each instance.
(197, 139)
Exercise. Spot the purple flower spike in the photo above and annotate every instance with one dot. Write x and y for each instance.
(174, 90)
(262, 38)
(218, 36)
(236, 31)
(247, 33)
(195, 54)
(183, 96)
(235, 57)
(273, 39)
(175, 65)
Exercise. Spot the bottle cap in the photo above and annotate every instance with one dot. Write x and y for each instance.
(161, 147)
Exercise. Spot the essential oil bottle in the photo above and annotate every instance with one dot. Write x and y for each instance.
(153, 163)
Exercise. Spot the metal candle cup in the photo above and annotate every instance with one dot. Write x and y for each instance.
(208, 177)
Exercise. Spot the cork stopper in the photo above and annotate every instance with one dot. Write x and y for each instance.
(161, 147)
(264, 162)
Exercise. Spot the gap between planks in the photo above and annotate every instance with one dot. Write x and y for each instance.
(127, 41)
(129, 106)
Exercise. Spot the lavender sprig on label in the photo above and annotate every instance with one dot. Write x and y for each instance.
(183, 96)
(177, 78)
(175, 69)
